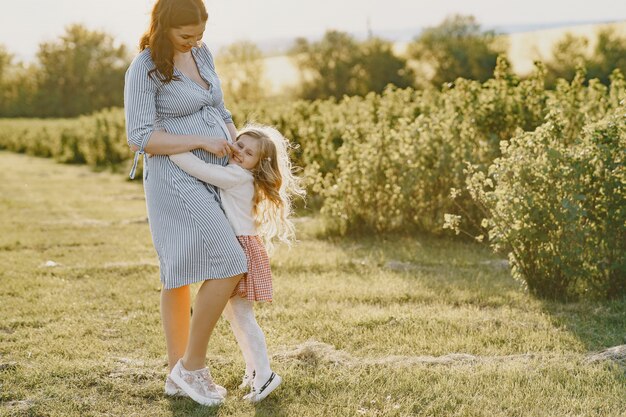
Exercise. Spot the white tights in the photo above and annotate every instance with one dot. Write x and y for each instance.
(240, 314)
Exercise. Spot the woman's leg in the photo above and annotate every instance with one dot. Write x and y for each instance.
(208, 306)
(175, 308)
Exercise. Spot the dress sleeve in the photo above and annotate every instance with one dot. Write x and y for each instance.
(224, 112)
(139, 107)
(217, 175)
(139, 104)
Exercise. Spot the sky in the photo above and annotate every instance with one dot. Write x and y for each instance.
(24, 24)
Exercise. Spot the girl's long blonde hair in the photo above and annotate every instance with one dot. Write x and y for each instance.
(275, 185)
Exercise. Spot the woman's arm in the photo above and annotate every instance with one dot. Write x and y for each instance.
(140, 92)
(139, 103)
(217, 175)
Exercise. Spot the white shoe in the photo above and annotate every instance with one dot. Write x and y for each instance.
(173, 390)
(270, 385)
(197, 384)
(247, 380)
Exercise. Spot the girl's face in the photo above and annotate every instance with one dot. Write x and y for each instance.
(185, 37)
(249, 152)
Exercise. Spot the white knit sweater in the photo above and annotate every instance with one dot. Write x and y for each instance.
(236, 186)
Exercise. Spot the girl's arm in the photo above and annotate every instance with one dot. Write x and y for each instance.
(217, 175)
(163, 143)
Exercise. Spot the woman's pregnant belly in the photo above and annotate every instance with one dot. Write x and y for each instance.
(204, 122)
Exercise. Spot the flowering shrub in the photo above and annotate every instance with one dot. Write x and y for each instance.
(556, 201)
(395, 170)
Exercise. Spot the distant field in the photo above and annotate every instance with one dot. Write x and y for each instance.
(524, 49)
(395, 326)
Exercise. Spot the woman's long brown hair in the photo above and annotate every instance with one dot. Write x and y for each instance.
(168, 14)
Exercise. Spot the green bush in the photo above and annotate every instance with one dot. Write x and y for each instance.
(98, 140)
(396, 167)
(557, 204)
(380, 164)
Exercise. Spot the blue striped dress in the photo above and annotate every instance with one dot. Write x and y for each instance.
(190, 232)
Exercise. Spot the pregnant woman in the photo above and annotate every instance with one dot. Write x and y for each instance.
(173, 103)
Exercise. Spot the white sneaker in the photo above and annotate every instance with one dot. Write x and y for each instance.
(197, 384)
(247, 380)
(173, 390)
(270, 385)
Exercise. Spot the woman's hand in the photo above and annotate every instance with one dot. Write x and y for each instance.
(218, 146)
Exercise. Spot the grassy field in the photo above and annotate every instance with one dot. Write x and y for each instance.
(403, 326)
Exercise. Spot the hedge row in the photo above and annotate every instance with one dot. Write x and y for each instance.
(388, 162)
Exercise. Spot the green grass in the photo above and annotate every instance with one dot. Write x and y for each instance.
(392, 326)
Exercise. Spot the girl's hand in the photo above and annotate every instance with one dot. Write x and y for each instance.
(218, 146)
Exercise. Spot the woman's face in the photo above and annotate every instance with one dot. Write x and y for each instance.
(185, 37)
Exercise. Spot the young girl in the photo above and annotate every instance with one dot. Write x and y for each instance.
(255, 189)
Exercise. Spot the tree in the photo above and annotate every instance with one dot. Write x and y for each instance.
(328, 66)
(458, 47)
(80, 73)
(242, 71)
(382, 67)
(609, 54)
(338, 65)
(6, 60)
(571, 52)
(17, 86)
(20, 91)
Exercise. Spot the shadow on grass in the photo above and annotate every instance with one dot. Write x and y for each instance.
(183, 407)
(462, 272)
(270, 407)
(456, 272)
(597, 324)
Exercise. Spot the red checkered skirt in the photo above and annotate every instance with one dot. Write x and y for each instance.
(256, 284)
